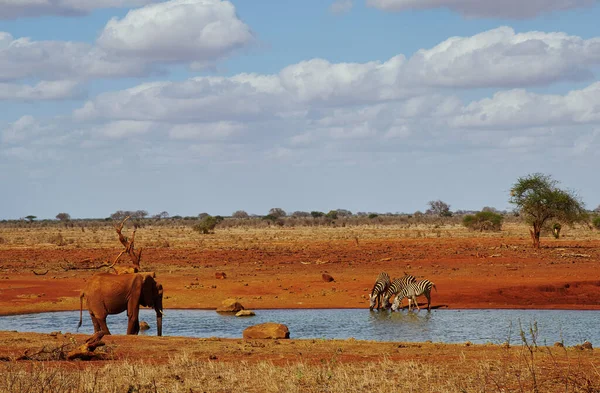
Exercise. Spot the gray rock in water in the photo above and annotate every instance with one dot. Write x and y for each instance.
(144, 325)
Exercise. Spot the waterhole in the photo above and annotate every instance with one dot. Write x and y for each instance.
(448, 326)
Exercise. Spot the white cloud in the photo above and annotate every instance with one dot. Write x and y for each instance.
(341, 6)
(177, 31)
(22, 58)
(124, 128)
(515, 9)
(20, 130)
(206, 131)
(31, 8)
(502, 58)
(523, 109)
(45, 90)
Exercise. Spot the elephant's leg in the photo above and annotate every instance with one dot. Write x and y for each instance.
(95, 323)
(100, 324)
(133, 322)
(133, 325)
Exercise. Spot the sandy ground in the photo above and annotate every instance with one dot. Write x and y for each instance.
(468, 273)
(271, 272)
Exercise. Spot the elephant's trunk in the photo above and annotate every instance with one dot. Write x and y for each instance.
(159, 322)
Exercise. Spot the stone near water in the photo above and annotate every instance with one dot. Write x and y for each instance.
(245, 313)
(144, 325)
(269, 330)
(230, 306)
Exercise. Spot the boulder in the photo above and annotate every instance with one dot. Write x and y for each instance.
(587, 345)
(269, 330)
(327, 278)
(245, 313)
(230, 306)
(220, 275)
(144, 326)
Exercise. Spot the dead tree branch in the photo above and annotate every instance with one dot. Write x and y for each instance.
(129, 245)
(40, 274)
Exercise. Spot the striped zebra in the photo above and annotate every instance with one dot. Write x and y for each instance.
(381, 285)
(396, 286)
(412, 291)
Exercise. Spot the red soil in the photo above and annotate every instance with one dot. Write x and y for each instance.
(468, 273)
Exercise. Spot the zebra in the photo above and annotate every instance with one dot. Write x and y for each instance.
(396, 286)
(412, 291)
(381, 285)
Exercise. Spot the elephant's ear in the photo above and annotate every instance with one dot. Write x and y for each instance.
(148, 288)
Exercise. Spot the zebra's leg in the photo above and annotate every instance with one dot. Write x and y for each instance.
(428, 295)
(417, 303)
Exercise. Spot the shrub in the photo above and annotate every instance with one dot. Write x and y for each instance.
(596, 222)
(556, 230)
(317, 214)
(373, 215)
(206, 225)
(483, 221)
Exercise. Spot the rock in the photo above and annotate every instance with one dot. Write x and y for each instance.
(558, 344)
(245, 313)
(269, 330)
(230, 306)
(327, 278)
(220, 275)
(587, 345)
(144, 325)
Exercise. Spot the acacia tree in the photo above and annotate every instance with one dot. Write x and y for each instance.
(63, 217)
(277, 212)
(539, 200)
(439, 208)
(240, 214)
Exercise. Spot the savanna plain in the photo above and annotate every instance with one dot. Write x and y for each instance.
(44, 267)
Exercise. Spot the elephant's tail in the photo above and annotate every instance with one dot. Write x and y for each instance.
(80, 309)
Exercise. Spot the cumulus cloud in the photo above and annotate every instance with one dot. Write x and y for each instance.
(502, 58)
(193, 32)
(22, 58)
(177, 31)
(20, 130)
(515, 9)
(12, 9)
(45, 90)
(341, 6)
(496, 58)
(206, 131)
(124, 128)
(523, 109)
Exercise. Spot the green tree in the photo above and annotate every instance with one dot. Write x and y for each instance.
(240, 214)
(316, 214)
(277, 212)
(483, 221)
(30, 218)
(206, 225)
(439, 208)
(539, 200)
(63, 217)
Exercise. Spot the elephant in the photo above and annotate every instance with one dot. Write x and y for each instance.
(112, 294)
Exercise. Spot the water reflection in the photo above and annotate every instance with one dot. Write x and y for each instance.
(454, 326)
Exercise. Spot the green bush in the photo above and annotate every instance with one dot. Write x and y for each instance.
(596, 222)
(483, 221)
(373, 215)
(206, 225)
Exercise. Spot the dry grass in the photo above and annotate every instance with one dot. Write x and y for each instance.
(179, 236)
(556, 371)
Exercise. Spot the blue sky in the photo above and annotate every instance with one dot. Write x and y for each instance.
(196, 106)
